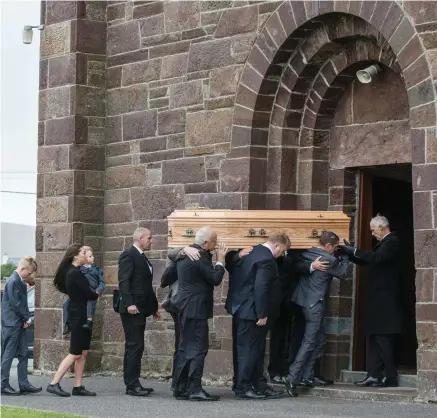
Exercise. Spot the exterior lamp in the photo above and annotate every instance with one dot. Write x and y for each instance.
(365, 76)
(28, 33)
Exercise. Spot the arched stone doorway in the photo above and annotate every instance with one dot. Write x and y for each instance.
(299, 69)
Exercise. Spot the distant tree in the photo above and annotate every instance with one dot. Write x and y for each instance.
(7, 269)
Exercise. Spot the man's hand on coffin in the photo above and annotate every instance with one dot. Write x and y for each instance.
(192, 253)
(320, 265)
(244, 252)
(221, 252)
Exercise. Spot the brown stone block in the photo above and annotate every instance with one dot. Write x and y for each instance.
(427, 359)
(54, 103)
(421, 93)
(161, 156)
(380, 13)
(425, 243)
(90, 36)
(172, 121)
(128, 58)
(156, 202)
(59, 184)
(113, 244)
(123, 38)
(189, 170)
(115, 230)
(48, 263)
(236, 21)
(112, 328)
(426, 334)
(55, 40)
(87, 157)
(223, 326)
(221, 201)
(251, 79)
(401, 36)
(218, 365)
(234, 175)
(258, 61)
(174, 66)
(88, 209)
(113, 129)
(208, 127)
(52, 209)
(392, 20)
(210, 54)
(420, 11)
(117, 196)
(51, 354)
(89, 101)
(50, 297)
(116, 11)
(59, 11)
(141, 72)
(148, 9)
(43, 74)
(424, 177)
(422, 210)
(423, 116)
(112, 364)
(118, 213)
(121, 148)
(170, 49)
(69, 130)
(181, 16)
(128, 99)
(412, 51)
(51, 324)
(427, 384)
(127, 176)
(424, 285)
(208, 187)
(151, 26)
(416, 72)
(139, 125)
(152, 145)
(186, 94)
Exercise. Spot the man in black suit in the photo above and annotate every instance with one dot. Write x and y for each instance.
(195, 302)
(383, 309)
(310, 295)
(249, 302)
(137, 302)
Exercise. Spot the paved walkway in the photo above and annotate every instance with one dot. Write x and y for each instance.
(112, 402)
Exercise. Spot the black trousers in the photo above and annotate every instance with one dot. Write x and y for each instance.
(134, 327)
(176, 340)
(190, 358)
(250, 352)
(381, 356)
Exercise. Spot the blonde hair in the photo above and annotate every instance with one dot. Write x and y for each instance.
(28, 261)
(280, 238)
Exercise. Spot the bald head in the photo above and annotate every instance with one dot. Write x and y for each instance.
(143, 238)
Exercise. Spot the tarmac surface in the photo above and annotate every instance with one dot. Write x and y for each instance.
(112, 402)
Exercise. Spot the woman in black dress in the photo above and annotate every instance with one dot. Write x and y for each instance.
(69, 279)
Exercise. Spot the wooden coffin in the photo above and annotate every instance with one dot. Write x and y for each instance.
(243, 228)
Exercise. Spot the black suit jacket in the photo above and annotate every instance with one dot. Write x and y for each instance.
(135, 276)
(252, 278)
(196, 281)
(383, 307)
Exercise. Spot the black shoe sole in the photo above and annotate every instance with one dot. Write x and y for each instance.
(138, 395)
(11, 394)
(82, 394)
(203, 400)
(26, 392)
(62, 395)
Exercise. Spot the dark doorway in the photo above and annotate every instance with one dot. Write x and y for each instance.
(387, 190)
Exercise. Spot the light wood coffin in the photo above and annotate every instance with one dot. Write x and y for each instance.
(242, 228)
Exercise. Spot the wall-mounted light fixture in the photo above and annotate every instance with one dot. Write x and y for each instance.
(365, 76)
(28, 33)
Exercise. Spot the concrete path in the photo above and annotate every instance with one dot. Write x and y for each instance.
(111, 402)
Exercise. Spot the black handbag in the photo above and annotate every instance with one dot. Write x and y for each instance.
(116, 297)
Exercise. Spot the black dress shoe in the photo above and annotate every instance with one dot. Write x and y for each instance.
(391, 382)
(291, 388)
(180, 396)
(57, 390)
(137, 391)
(88, 325)
(29, 389)
(271, 393)
(250, 394)
(9, 390)
(368, 381)
(306, 383)
(320, 381)
(81, 391)
(202, 395)
(277, 380)
(150, 390)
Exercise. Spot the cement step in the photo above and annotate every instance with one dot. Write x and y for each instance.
(405, 380)
(351, 392)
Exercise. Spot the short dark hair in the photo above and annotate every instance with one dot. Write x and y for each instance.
(329, 237)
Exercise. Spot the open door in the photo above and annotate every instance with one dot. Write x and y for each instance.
(387, 190)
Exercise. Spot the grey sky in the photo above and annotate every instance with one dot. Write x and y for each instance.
(19, 111)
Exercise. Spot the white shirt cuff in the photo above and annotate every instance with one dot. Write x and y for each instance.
(219, 263)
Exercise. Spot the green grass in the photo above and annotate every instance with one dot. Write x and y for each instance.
(14, 412)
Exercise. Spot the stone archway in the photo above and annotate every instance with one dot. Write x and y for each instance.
(295, 74)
